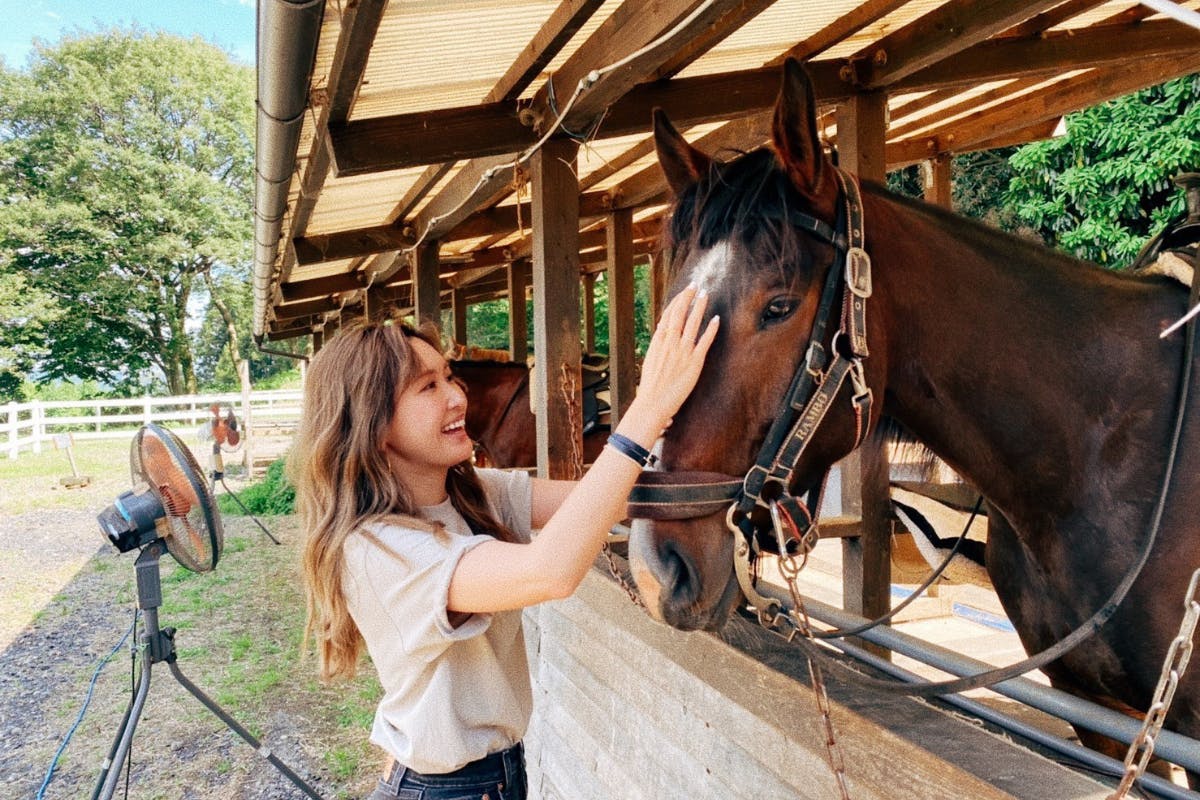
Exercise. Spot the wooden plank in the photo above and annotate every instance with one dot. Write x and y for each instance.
(839, 29)
(622, 364)
(556, 311)
(1046, 20)
(950, 28)
(728, 23)
(518, 333)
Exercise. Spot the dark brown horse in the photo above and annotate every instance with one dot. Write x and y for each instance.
(1040, 379)
(499, 418)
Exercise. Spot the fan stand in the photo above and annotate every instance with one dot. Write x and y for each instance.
(218, 474)
(159, 645)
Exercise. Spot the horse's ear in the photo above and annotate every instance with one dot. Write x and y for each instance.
(682, 163)
(794, 131)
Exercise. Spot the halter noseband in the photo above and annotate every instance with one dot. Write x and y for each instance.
(817, 381)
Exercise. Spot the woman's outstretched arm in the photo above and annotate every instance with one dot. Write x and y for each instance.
(497, 576)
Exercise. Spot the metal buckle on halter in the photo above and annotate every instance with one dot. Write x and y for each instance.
(858, 272)
(858, 382)
(814, 363)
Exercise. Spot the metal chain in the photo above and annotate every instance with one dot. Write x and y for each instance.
(790, 566)
(567, 387)
(1174, 665)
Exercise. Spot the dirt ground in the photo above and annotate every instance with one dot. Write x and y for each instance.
(66, 602)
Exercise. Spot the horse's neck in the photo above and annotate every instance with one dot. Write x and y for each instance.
(1022, 370)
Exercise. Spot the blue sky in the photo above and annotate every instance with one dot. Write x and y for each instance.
(227, 23)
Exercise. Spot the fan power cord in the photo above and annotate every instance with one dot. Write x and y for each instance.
(41, 792)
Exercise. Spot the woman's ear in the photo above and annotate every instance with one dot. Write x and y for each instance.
(794, 132)
(682, 163)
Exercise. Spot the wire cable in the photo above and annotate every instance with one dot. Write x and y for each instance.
(41, 792)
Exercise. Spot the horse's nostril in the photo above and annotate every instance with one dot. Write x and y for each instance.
(679, 581)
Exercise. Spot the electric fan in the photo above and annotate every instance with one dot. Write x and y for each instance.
(170, 509)
(223, 432)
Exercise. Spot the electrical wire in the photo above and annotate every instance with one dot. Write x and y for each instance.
(41, 792)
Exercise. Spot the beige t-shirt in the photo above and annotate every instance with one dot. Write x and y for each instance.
(451, 695)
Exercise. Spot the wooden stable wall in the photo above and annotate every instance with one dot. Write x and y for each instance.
(627, 708)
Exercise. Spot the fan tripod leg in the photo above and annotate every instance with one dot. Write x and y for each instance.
(240, 731)
(218, 476)
(110, 771)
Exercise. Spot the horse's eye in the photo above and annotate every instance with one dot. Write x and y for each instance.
(779, 308)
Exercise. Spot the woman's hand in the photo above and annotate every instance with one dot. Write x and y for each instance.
(672, 365)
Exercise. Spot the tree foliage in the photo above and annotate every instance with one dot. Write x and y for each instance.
(126, 172)
(1105, 188)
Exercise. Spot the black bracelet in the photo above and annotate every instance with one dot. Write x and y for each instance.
(628, 447)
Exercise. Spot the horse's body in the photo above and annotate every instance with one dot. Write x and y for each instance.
(499, 418)
(1042, 380)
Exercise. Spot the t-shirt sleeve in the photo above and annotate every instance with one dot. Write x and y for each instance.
(511, 496)
(407, 589)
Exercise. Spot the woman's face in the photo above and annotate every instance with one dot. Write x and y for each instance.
(428, 435)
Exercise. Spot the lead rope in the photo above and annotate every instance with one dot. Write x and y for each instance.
(1178, 655)
(790, 565)
(567, 388)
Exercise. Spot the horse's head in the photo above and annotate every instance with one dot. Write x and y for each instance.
(757, 233)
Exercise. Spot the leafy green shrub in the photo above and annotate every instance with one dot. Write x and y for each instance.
(270, 496)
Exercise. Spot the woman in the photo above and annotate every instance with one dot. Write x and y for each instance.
(427, 562)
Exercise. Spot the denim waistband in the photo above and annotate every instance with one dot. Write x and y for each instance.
(500, 765)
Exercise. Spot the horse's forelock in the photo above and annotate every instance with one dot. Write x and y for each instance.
(747, 200)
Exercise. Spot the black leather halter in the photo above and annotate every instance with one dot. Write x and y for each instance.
(815, 385)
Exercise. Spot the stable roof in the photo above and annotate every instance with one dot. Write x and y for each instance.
(387, 124)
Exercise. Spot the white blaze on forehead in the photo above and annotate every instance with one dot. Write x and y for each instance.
(712, 267)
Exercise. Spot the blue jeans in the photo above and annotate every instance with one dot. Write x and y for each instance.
(499, 776)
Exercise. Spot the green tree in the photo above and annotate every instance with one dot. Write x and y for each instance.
(126, 175)
(26, 315)
(1105, 188)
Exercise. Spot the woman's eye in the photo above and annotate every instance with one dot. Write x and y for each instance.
(779, 308)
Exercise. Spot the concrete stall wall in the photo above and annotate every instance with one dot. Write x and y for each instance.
(627, 708)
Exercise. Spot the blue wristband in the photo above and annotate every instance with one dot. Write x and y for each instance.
(628, 447)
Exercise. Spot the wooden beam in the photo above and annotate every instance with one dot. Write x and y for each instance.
(866, 559)
(458, 315)
(426, 285)
(358, 26)
(1040, 23)
(622, 366)
(1082, 91)
(518, 331)
(556, 375)
(950, 28)
(939, 184)
(1056, 52)
(563, 23)
(732, 20)
(839, 29)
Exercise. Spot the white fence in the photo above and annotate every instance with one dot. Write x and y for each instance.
(29, 426)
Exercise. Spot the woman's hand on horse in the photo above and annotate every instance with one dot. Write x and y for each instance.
(674, 360)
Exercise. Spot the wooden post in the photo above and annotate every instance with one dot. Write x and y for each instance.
(937, 172)
(426, 291)
(247, 427)
(555, 224)
(622, 368)
(458, 315)
(13, 449)
(866, 559)
(39, 425)
(518, 332)
(589, 313)
(318, 340)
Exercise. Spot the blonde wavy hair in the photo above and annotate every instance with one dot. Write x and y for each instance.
(343, 478)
